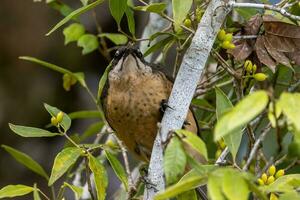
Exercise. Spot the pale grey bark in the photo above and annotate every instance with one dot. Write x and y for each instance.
(184, 87)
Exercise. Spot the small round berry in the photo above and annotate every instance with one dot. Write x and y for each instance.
(221, 34)
(272, 170)
(254, 68)
(260, 76)
(279, 173)
(248, 65)
(264, 177)
(260, 181)
(59, 116)
(273, 197)
(54, 121)
(270, 180)
(228, 37)
(187, 23)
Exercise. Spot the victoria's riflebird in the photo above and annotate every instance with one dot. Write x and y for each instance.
(132, 99)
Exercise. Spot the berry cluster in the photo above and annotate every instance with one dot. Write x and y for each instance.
(58, 119)
(226, 39)
(251, 68)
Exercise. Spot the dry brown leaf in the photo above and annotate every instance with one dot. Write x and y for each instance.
(275, 54)
(295, 56)
(276, 27)
(263, 55)
(282, 44)
(253, 25)
(241, 51)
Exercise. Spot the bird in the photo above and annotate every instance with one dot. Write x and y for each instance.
(134, 99)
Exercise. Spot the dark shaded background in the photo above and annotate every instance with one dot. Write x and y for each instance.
(24, 86)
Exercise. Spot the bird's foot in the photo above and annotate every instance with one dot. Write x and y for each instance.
(164, 105)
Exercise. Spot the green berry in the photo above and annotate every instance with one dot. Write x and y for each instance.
(272, 170)
(59, 117)
(260, 76)
(187, 23)
(248, 66)
(270, 180)
(264, 177)
(228, 37)
(54, 121)
(221, 34)
(260, 181)
(279, 173)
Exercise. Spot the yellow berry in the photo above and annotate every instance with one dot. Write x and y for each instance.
(248, 65)
(59, 117)
(270, 180)
(187, 23)
(264, 177)
(279, 173)
(54, 121)
(273, 197)
(222, 144)
(228, 37)
(110, 143)
(272, 170)
(260, 181)
(221, 34)
(254, 68)
(260, 76)
(226, 44)
(218, 153)
(231, 46)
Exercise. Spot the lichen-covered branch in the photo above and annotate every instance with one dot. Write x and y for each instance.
(184, 87)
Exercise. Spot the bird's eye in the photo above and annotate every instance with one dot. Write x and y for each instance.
(117, 53)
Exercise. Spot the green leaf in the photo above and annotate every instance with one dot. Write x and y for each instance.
(214, 187)
(246, 110)
(88, 42)
(10, 191)
(78, 191)
(194, 141)
(130, 20)
(174, 161)
(84, 114)
(92, 130)
(290, 104)
(117, 9)
(180, 11)
(75, 14)
(190, 195)
(26, 160)
(223, 105)
(73, 32)
(285, 183)
(53, 111)
(102, 82)
(182, 186)
(100, 174)
(246, 13)
(154, 7)
(78, 75)
(63, 162)
(118, 168)
(237, 191)
(36, 195)
(26, 131)
(116, 38)
(292, 195)
(162, 43)
(63, 8)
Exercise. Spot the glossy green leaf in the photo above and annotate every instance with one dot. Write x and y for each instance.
(78, 75)
(182, 186)
(63, 161)
(26, 160)
(290, 104)
(78, 191)
(174, 161)
(214, 187)
(116, 38)
(53, 111)
(84, 114)
(154, 7)
(130, 20)
(117, 9)
(100, 175)
(92, 129)
(223, 105)
(10, 191)
(88, 42)
(160, 44)
(237, 191)
(285, 183)
(190, 195)
(118, 168)
(102, 82)
(36, 195)
(26, 131)
(246, 110)
(194, 141)
(73, 32)
(180, 11)
(75, 14)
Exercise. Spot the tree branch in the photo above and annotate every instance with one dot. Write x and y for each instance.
(184, 87)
